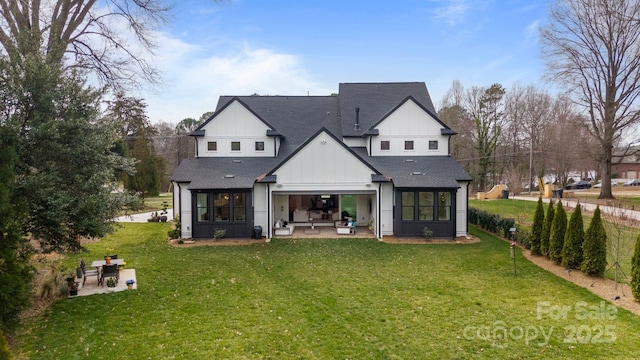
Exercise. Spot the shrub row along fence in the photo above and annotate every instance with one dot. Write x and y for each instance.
(498, 225)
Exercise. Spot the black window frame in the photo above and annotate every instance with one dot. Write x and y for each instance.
(239, 146)
(433, 144)
(223, 207)
(419, 208)
(408, 143)
(215, 146)
(259, 148)
(383, 143)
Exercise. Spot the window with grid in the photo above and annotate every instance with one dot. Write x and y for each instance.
(202, 207)
(433, 144)
(408, 205)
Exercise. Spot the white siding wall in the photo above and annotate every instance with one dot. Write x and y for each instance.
(461, 209)
(409, 122)
(260, 207)
(386, 209)
(355, 142)
(185, 205)
(326, 165)
(235, 123)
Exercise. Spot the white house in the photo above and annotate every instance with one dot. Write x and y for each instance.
(376, 153)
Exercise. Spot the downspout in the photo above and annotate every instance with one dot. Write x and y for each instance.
(275, 146)
(468, 208)
(378, 212)
(268, 211)
(197, 154)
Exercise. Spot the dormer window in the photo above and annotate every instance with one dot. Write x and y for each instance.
(408, 145)
(384, 145)
(433, 144)
(235, 146)
(212, 146)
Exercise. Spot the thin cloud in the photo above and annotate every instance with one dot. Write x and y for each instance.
(198, 79)
(452, 12)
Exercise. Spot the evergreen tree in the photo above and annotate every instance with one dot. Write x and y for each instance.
(558, 231)
(595, 247)
(546, 230)
(536, 229)
(635, 271)
(15, 272)
(572, 251)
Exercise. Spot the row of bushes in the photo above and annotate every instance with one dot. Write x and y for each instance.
(498, 225)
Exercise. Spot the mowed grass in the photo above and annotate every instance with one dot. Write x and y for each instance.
(328, 299)
(621, 235)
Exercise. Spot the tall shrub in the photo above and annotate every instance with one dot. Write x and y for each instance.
(546, 230)
(536, 229)
(595, 247)
(572, 251)
(635, 271)
(558, 231)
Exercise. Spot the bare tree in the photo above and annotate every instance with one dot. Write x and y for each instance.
(84, 34)
(591, 47)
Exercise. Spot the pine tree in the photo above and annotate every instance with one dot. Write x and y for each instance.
(536, 230)
(558, 231)
(635, 271)
(595, 247)
(572, 251)
(546, 230)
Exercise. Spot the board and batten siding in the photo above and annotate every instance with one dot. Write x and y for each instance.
(325, 164)
(235, 123)
(409, 122)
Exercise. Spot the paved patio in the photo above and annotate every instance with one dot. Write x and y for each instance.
(91, 286)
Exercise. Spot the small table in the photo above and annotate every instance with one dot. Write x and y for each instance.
(98, 263)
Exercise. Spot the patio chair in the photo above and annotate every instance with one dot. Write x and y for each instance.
(108, 271)
(87, 273)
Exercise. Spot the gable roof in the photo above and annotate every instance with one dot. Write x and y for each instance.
(445, 129)
(375, 100)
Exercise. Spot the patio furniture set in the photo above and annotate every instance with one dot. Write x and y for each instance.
(102, 270)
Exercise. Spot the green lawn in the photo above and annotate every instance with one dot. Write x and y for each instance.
(620, 235)
(328, 299)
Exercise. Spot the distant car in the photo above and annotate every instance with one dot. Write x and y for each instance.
(634, 182)
(582, 184)
(613, 184)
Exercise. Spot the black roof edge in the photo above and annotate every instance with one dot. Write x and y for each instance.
(274, 133)
(379, 178)
(268, 179)
(447, 131)
(325, 130)
(197, 133)
(372, 132)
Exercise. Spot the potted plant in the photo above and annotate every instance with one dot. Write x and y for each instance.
(130, 283)
(370, 225)
(111, 282)
(107, 259)
(72, 285)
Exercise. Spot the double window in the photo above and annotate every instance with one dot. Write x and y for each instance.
(425, 206)
(221, 207)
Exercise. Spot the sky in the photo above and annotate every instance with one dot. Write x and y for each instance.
(282, 47)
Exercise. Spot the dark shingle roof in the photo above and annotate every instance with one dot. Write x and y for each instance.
(295, 117)
(419, 171)
(223, 172)
(298, 118)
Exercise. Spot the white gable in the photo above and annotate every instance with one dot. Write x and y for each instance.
(232, 125)
(409, 122)
(326, 164)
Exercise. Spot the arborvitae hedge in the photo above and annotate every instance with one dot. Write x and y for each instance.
(635, 271)
(595, 247)
(536, 229)
(574, 238)
(546, 230)
(558, 231)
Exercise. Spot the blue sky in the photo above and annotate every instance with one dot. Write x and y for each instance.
(299, 47)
